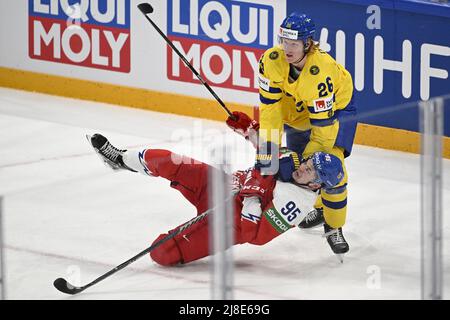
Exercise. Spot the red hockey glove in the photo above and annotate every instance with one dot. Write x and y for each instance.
(257, 185)
(243, 124)
(238, 179)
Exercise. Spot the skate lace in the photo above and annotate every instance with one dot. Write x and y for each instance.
(110, 152)
(310, 217)
(335, 236)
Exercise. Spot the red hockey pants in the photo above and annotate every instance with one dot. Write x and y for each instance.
(190, 177)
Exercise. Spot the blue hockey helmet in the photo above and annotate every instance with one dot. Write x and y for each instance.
(329, 169)
(297, 26)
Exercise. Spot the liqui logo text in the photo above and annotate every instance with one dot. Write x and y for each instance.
(222, 39)
(89, 33)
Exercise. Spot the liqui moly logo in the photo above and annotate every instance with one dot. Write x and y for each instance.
(222, 39)
(89, 33)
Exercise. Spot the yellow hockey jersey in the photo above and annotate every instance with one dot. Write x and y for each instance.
(307, 100)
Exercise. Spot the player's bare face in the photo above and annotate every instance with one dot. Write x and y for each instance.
(305, 174)
(293, 50)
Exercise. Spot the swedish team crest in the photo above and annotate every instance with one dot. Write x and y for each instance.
(314, 70)
(273, 55)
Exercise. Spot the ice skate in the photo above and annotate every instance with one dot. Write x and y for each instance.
(313, 219)
(109, 154)
(336, 240)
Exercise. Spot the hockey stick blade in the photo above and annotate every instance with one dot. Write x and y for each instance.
(65, 287)
(145, 8)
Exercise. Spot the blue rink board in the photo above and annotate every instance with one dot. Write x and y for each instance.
(416, 21)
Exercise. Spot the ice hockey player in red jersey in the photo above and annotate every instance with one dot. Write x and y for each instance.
(264, 206)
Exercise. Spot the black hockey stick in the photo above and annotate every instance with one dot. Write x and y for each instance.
(62, 285)
(146, 8)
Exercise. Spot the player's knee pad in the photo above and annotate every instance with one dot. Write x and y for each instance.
(167, 254)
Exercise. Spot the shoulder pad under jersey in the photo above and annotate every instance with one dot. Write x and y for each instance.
(273, 65)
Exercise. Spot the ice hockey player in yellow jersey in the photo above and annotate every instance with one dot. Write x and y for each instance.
(305, 93)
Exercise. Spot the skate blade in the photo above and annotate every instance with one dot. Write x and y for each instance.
(340, 257)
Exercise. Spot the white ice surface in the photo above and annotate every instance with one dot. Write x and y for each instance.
(67, 215)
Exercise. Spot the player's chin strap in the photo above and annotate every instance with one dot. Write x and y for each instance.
(304, 55)
(305, 186)
(299, 60)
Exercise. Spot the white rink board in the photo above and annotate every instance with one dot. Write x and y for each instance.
(148, 58)
(68, 215)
